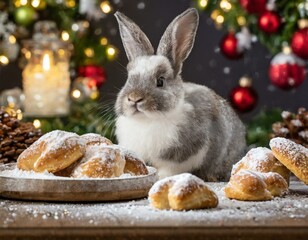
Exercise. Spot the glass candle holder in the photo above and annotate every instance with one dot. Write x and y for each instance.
(46, 78)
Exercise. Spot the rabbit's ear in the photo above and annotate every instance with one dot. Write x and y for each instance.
(134, 40)
(178, 39)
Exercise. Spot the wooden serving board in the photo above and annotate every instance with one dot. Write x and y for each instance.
(75, 190)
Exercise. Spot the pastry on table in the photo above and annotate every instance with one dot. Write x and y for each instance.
(247, 185)
(182, 192)
(261, 159)
(100, 161)
(294, 156)
(52, 152)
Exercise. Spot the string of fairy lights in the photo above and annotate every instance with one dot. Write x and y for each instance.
(217, 16)
(241, 21)
(18, 17)
(30, 7)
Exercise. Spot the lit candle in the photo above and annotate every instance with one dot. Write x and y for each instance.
(46, 86)
(46, 62)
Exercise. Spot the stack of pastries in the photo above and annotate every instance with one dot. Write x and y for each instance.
(260, 175)
(86, 156)
(263, 173)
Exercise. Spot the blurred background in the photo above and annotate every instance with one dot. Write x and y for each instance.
(62, 62)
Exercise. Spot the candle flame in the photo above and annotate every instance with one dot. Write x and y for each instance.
(46, 62)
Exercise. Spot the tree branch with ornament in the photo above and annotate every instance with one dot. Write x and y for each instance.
(280, 25)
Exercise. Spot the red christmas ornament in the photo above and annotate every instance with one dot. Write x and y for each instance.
(269, 22)
(287, 71)
(254, 6)
(229, 46)
(299, 43)
(244, 97)
(96, 73)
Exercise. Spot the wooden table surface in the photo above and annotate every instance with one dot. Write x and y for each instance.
(281, 218)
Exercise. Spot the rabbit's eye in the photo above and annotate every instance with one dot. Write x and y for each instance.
(160, 81)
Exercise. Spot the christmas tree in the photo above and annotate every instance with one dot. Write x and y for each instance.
(68, 27)
(280, 25)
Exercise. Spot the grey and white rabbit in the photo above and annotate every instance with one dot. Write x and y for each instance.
(174, 126)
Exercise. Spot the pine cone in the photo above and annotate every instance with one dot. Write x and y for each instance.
(15, 137)
(293, 126)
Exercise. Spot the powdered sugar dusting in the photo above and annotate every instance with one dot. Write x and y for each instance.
(183, 181)
(18, 173)
(55, 140)
(177, 183)
(245, 173)
(157, 186)
(291, 210)
(259, 155)
(21, 174)
(253, 177)
(293, 155)
(99, 151)
(60, 139)
(255, 160)
(290, 148)
(93, 138)
(100, 161)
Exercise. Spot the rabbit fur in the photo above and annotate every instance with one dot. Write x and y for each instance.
(174, 126)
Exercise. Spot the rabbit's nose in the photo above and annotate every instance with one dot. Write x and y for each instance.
(134, 98)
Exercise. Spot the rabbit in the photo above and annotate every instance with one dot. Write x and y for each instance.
(174, 126)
